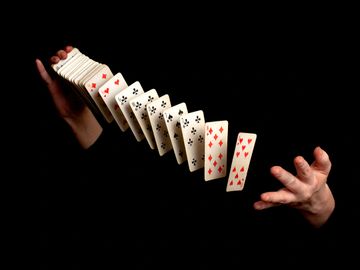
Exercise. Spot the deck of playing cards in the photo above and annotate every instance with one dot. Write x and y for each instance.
(151, 116)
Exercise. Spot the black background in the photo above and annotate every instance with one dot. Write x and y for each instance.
(290, 84)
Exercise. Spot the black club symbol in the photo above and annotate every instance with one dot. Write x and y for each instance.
(123, 100)
(163, 145)
(203, 157)
(148, 127)
(152, 110)
(132, 115)
(135, 91)
(137, 105)
(176, 136)
(170, 118)
(178, 124)
(197, 119)
(158, 127)
(166, 134)
(163, 104)
(186, 123)
(161, 116)
(181, 153)
(193, 161)
(143, 116)
(180, 112)
(200, 139)
(190, 142)
(150, 98)
(193, 131)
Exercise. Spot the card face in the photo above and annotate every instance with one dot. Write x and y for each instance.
(193, 130)
(108, 91)
(138, 105)
(244, 148)
(216, 144)
(93, 85)
(155, 111)
(123, 100)
(172, 121)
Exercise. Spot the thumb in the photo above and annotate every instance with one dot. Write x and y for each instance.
(322, 161)
(43, 72)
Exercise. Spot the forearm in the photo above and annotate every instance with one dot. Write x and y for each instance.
(85, 127)
(320, 207)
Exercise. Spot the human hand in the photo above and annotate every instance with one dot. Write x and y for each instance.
(307, 191)
(70, 107)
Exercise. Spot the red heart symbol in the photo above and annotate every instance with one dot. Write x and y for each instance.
(246, 154)
(103, 76)
(237, 154)
(242, 169)
(236, 176)
(241, 139)
(106, 91)
(239, 183)
(231, 183)
(234, 170)
(249, 141)
(243, 147)
(117, 82)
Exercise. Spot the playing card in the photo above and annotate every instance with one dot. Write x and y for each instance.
(172, 121)
(244, 148)
(123, 100)
(138, 105)
(93, 85)
(193, 130)
(63, 62)
(108, 91)
(155, 111)
(216, 143)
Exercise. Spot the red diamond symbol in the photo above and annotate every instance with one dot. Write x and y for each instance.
(220, 156)
(221, 143)
(210, 144)
(209, 171)
(215, 163)
(210, 131)
(103, 76)
(210, 158)
(216, 136)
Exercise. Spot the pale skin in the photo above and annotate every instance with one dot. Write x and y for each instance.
(307, 191)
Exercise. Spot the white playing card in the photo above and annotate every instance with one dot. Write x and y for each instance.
(216, 143)
(63, 62)
(244, 148)
(155, 111)
(93, 84)
(108, 91)
(193, 130)
(172, 121)
(138, 105)
(123, 100)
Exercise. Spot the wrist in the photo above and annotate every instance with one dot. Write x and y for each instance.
(320, 208)
(85, 127)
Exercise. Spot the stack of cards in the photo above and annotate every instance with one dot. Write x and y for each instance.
(150, 116)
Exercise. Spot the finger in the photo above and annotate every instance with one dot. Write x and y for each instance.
(261, 205)
(43, 73)
(68, 48)
(322, 161)
(287, 179)
(54, 59)
(61, 54)
(304, 171)
(282, 196)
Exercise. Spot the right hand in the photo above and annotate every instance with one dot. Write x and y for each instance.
(76, 114)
